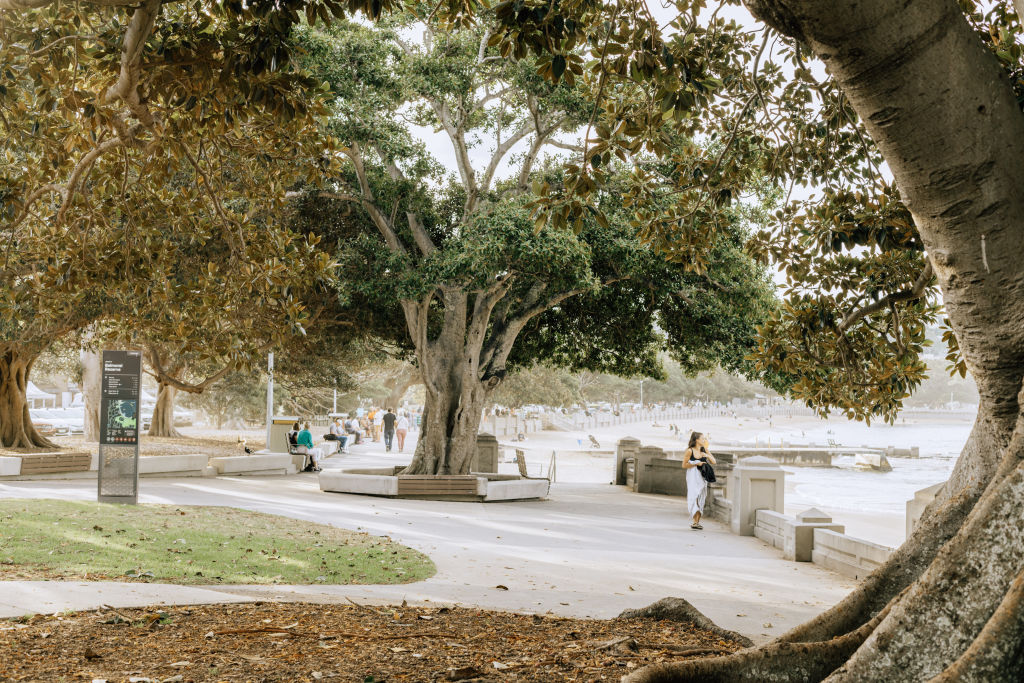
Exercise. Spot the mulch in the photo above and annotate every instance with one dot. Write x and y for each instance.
(262, 642)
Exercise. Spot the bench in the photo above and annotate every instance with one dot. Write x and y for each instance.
(53, 463)
(441, 485)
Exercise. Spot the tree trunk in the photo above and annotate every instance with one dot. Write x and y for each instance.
(16, 428)
(941, 110)
(399, 385)
(92, 379)
(163, 413)
(451, 419)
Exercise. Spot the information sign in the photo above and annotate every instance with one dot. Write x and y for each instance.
(118, 476)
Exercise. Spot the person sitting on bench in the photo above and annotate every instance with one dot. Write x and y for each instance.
(337, 434)
(304, 439)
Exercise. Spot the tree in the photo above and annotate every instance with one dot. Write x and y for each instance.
(933, 87)
(128, 123)
(466, 277)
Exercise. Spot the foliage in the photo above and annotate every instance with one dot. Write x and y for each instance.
(859, 291)
(238, 396)
(135, 139)
(593, 298)
(545, 385)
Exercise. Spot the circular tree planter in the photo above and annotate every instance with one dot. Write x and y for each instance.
(482, 487)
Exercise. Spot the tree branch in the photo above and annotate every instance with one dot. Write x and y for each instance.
(385, 227)
(915, 292)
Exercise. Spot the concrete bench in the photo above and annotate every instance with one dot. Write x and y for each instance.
(441, 485)
(173, 465)
(46, 463)
(257, 464)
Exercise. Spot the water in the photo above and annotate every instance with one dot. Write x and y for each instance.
(846, 487)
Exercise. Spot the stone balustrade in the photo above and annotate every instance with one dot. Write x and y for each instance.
(749, 496)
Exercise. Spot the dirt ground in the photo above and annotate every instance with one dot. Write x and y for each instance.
(194, 440)
(262, 642)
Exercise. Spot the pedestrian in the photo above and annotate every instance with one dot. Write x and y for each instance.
(305, 438)
(401, 429)
(697, 461)
(378, 423)
(337, 434)
(388, 423)
(352, 427)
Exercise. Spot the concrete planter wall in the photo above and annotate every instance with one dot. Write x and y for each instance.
(480, 487)
(258, 464)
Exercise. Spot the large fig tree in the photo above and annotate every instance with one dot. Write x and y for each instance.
(459, 270)
(933, 89)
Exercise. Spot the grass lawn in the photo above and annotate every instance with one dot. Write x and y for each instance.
(191, 545)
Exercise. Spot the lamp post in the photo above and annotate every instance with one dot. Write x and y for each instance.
(270, 395)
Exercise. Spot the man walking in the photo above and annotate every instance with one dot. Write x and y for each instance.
(389, 428)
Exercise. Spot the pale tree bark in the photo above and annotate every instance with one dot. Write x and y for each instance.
(400, 384)
(945, 118)
(163, 413)
(92, 378)
(16, 428)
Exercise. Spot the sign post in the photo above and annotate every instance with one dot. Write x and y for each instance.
(118, 475)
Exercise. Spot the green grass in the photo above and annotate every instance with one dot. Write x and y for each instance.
(191, 545)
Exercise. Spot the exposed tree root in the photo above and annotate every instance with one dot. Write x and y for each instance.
(998, 651)
(776, 662)
(678, 609)
(945, 611)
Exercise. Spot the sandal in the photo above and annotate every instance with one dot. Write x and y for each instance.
(696, 526)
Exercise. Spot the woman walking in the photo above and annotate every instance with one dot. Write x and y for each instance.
(401, 429)
(696, 455)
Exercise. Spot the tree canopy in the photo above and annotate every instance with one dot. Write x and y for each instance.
(148, 151)
(929, 92)
(457, 270)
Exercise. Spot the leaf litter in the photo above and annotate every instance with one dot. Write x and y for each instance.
(305, 642)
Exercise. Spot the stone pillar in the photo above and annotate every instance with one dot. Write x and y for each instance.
(799, 541)
(627, 447)
(756, 483)
(486, 458)
(644, 479)
(917, 504)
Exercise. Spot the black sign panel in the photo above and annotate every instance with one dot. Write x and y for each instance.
(119, 400)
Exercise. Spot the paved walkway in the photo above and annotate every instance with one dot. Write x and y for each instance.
(590, 550)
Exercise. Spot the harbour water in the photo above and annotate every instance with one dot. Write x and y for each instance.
(871, 504)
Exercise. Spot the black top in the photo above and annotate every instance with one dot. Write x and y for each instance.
(389, 421)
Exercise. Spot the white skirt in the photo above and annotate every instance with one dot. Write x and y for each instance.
(696, 491)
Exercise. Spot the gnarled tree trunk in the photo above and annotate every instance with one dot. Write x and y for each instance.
(451, 418)
(163, 413)
(16, 428)
(92, 379)
(947, 605)
(399, 385)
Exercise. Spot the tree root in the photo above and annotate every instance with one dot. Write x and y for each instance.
(945, 612)
(776, 662)
(998, 651)
(678, 609)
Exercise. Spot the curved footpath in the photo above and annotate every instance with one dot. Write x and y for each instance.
(589, 550)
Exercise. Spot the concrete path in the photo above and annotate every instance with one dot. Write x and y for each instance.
(590, 550)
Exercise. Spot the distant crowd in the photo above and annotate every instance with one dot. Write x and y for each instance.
(376, 424)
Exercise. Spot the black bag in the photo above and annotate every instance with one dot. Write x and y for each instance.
(707, 471)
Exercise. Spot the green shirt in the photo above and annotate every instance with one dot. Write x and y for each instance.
(305, 438)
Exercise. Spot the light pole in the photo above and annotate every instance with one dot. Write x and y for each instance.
(270, 395)
(641, 393)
